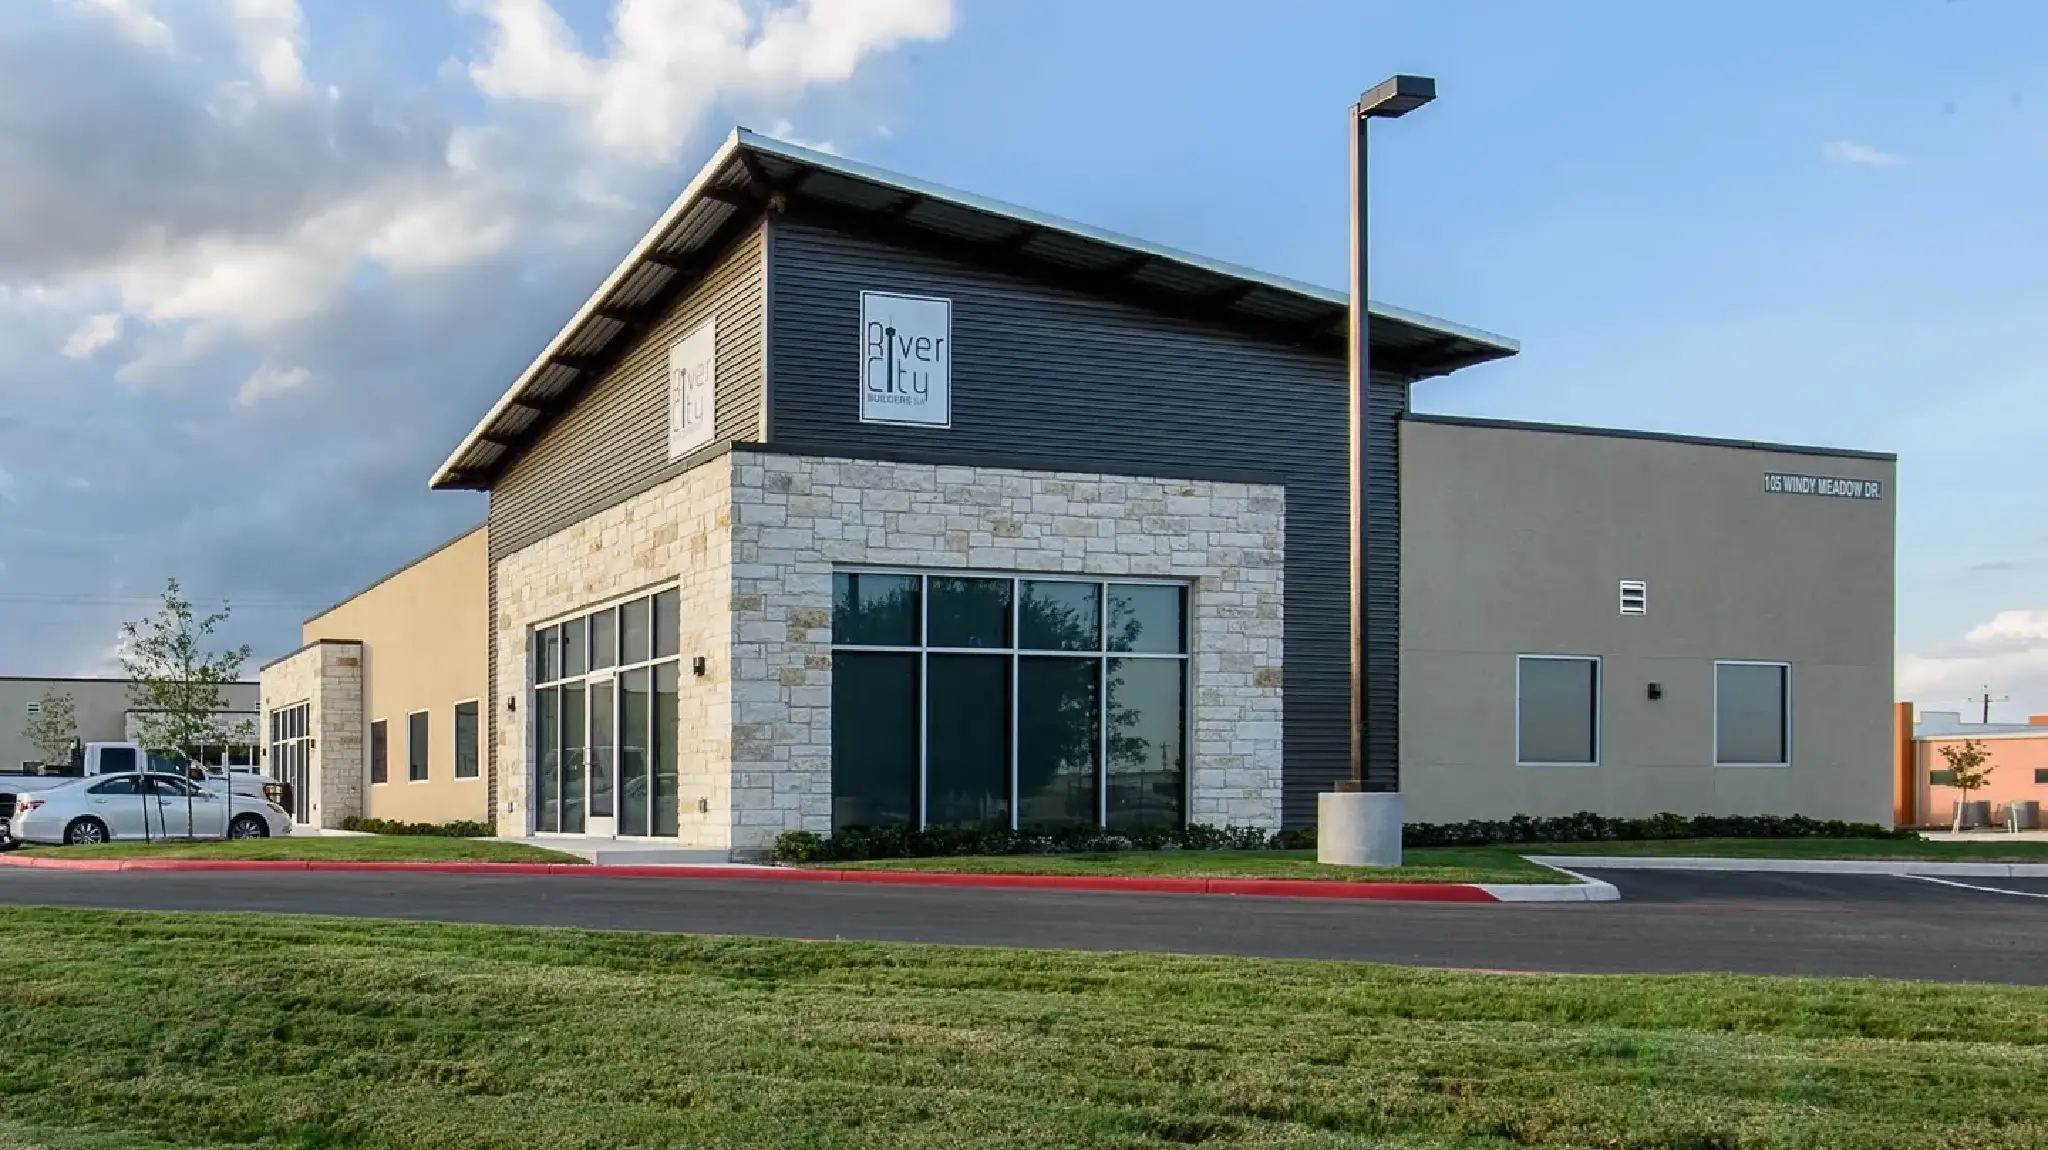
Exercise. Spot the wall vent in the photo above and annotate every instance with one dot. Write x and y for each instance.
(35, 708)
(1635, 597)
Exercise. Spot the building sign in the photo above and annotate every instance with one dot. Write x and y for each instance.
(692, 389)
(1782, 483)
(906, 359)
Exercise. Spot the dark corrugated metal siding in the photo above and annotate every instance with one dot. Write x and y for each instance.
(613, 442)
(1051, 379)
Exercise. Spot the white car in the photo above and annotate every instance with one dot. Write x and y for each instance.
(141, 806)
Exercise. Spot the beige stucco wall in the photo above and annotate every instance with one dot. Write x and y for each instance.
(423, 634)
(1514, 542)
(677, 533)
(327, 674)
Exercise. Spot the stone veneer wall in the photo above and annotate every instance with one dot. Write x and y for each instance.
(795, 518)
(677, 530)
(327, 674)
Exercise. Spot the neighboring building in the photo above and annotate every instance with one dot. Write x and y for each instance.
(105, 716)
(851, 500)
(379, 713)
(2019, 766)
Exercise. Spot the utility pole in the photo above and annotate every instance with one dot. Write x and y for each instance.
(1987, 700)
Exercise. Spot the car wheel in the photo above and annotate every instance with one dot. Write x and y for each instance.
(248, 827)
(85, 832)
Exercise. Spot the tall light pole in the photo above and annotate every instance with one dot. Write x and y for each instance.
(1360, 823)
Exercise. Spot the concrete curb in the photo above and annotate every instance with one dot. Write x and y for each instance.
(1587, 890)
(1800, 866)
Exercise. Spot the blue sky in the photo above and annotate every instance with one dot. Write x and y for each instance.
(1813, 223)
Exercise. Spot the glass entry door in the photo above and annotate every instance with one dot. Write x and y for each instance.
(604, 723)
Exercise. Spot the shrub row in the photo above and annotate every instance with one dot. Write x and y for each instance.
(459, 829)
(860, 843)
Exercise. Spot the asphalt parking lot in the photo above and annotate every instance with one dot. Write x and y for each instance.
(1668, 921)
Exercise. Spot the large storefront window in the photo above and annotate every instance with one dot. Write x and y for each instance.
(606, 721)
(967, 700)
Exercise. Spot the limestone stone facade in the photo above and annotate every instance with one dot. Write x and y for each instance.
(753, 538)
(797, 518)
(675, 534)
(328, 676)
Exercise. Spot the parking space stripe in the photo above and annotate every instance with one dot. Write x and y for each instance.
(1974, 886)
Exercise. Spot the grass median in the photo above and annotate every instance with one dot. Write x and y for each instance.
(1435, 865)
(1922, 849)
(250, 1029)
(323, 848)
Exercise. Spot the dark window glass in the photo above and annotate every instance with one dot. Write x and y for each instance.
(416, 750)
(572, 759)
(116, 759)
(667, 626)
(1058, 731)
(241, 755)
(1147, 743)
(1558, 709)
(1749, 713)
(575, 649)
(967, 749)
(633, 632)
(1060, 616)
(466, 766)
(874, 739)
(380, 756)
(663, 739)
(547, 764)
(171, 786)
(1942, 778)
(874, 610)
(604, 639)
(125, 785)
(2040, 775)
(969, 612)
(1147, 619)
(633, 707)
(548, 645)
(602, 749)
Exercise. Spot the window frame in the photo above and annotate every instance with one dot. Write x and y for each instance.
(423, 746)
(1102, 654)
(455, 737)
(1784, 702)
(1599, 706)
(370, 759)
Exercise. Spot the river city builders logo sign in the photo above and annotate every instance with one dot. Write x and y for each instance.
(906, 359)
(692, 389)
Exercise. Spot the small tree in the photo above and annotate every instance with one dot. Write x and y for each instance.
(54, 727)
(1970, 766)
(175, 680)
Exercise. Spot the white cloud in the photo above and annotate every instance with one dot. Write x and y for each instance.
(2008, 653)
(271, 34)
(784, 130)
(671, 61)
(269, 381)
(1851, 152)
(137, 20)
(95, 333)
(6, 484)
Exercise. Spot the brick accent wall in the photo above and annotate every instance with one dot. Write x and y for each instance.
(328, 675)
(794, 518)
(677, 531)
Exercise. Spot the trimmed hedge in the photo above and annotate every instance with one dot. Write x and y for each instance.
(460, 829)
(861, 843)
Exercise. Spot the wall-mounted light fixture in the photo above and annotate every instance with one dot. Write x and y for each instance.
(703, 806)
(511, 703)
(697, 665)
(1656, 690)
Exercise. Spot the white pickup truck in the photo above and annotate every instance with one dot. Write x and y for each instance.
(118, 758)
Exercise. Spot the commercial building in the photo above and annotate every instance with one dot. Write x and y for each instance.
(852, 500)
(2018, 766)
(103, 714)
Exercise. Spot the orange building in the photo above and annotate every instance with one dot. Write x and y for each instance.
(1921, 794)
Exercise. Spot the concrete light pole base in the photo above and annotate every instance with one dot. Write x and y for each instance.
(1358, 828)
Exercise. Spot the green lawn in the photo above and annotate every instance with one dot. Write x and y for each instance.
(1437, 865)
(199, 1030)
(2023, 851)
(342, 848)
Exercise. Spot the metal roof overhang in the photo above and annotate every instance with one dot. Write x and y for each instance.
(750, 174)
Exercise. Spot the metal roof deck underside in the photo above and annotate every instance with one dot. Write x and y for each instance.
(752, 174)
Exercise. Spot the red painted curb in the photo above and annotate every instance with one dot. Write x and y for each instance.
(1259, 887)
